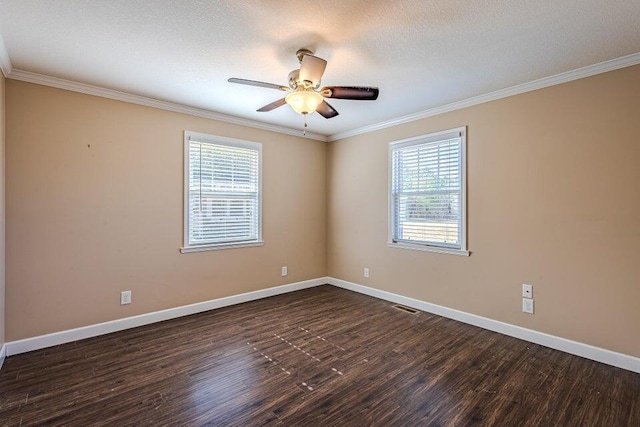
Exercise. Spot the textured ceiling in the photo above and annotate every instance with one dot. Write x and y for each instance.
(422, 54)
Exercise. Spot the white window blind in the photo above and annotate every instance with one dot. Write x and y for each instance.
(427, 191)
(223, 191)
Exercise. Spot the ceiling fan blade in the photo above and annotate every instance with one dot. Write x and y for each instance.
(272, 106)
(257, 83)
(326, 110)
(312, 69)
(360, 93)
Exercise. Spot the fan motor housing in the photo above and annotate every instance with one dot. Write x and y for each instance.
(294, 77)
(295, 82)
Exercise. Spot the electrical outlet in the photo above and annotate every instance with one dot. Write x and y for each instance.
(284, 271)
(527, 305)
(366, 272)
(527, 291)
(125, 297)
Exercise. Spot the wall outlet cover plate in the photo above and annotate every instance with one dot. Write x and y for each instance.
(125, 297)
(527, 305)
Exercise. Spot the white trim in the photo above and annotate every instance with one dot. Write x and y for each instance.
(609, 357)
(568, 76)
(220, 140)
(3, 354)
(427, 248)
(435, 137)
(5, 61)
(185, 193)
(41, 79)
(56, 338)
(203, 248)
(579, 73)
(598, 354)
(230, 142)
(430, 137)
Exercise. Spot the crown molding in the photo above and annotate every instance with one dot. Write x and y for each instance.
(579, 73)
(41, 79)
(5, 61)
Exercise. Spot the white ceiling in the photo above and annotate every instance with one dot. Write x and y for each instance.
(421, 54)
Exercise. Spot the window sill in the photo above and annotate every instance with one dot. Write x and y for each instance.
(418, 247)
(217, 247)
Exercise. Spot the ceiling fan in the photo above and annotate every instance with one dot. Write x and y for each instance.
(304, 96)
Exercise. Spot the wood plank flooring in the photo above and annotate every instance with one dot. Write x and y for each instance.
(318, 357)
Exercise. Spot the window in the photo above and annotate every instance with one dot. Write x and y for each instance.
(222, 193)
(427, 192)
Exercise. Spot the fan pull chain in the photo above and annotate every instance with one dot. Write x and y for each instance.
(304, 131)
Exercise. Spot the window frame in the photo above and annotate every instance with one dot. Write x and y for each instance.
(230, 142)
(426, 139)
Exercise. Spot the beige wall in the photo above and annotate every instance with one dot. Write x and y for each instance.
(554, 201)
(88, 222)
(2, 181)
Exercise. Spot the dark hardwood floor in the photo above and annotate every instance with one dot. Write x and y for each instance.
(318, 357)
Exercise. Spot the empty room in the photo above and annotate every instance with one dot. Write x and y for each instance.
(338, 213)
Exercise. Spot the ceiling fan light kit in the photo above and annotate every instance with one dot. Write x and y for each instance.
(305, 97)
(304, 101)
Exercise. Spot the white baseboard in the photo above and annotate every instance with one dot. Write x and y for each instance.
(3, 354)
(579, 349)
(587, 351)
(49, 340)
